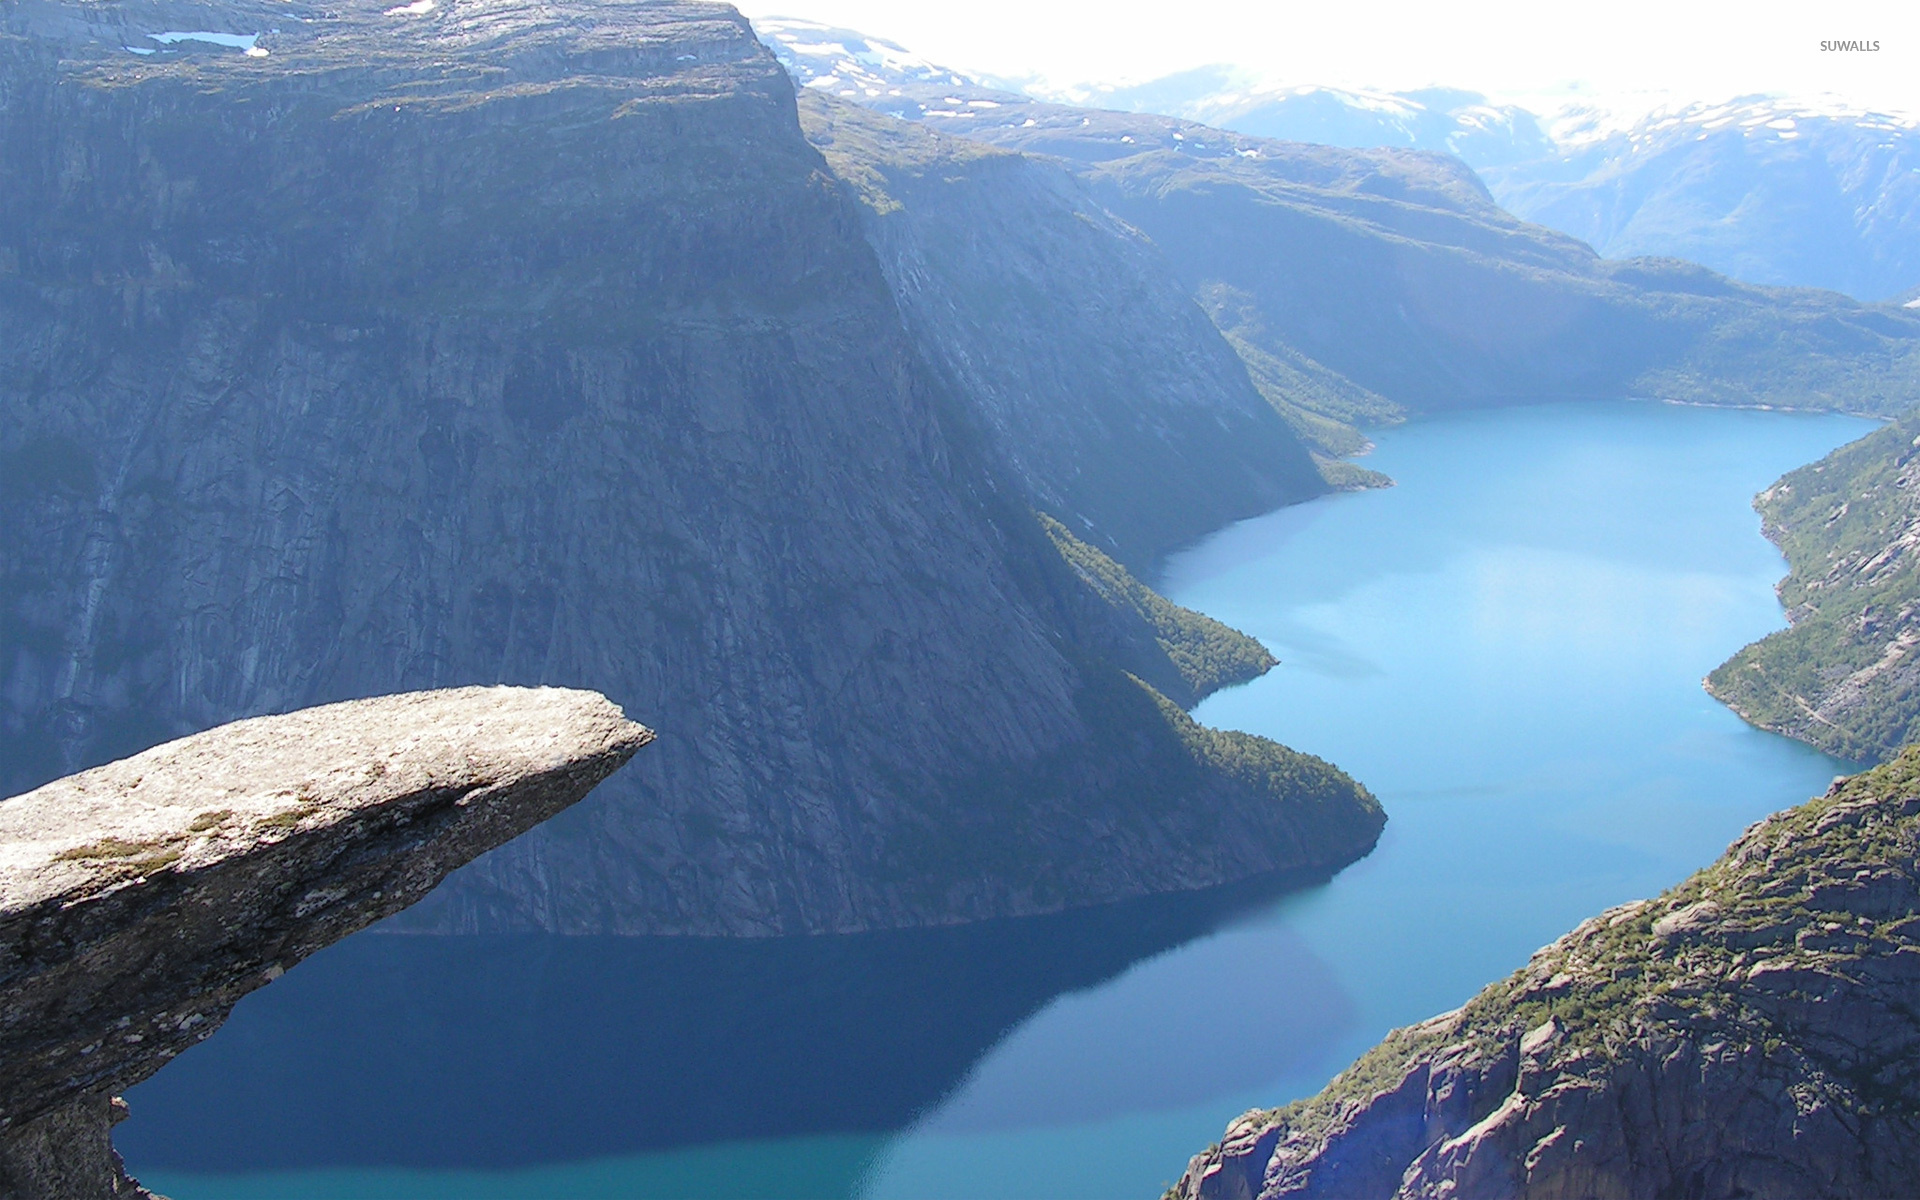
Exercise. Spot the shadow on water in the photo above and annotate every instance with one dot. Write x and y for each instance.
(511, 1051)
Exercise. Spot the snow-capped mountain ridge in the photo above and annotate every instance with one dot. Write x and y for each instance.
(847, 63)
(1811, 191)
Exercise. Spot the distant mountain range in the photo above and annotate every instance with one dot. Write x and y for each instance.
(1765, 190)
(1768, 191)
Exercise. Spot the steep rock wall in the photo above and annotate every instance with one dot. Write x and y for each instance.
(534, 344)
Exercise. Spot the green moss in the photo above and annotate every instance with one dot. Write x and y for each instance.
(126, 858)
(287, 818)
(104, 848)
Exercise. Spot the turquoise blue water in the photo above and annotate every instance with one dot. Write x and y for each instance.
(1506, 647)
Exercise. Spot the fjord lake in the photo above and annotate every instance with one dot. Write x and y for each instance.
(1506, 647)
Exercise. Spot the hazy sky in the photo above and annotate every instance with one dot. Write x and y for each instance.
(1506, 47)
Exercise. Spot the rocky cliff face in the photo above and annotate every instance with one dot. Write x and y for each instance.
(1752, 1033)
(533, 343)
(1844, 676)
(1097, 377)
(139, 901)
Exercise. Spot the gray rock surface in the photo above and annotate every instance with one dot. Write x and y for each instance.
(1754, 1033)
(140, 900)
(532, 343)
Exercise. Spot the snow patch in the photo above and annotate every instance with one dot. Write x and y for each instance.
(419, 8)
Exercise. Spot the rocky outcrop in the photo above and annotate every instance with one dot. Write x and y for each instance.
(1752, 1033)
(532, 342)
(1844, 676)
(140, 900)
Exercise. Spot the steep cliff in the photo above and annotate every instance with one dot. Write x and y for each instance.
(1843, 676)
(533, 343)
(1099, 380)
(139, 901)
(1752, 1033)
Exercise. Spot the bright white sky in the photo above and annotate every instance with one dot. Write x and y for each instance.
(1521, 50)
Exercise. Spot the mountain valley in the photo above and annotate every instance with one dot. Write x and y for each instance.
(977, 494)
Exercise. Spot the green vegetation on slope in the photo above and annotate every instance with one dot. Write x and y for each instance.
(1771, 988)
(1844, 677)
(1323, 408)
(1226, 798)
(1788, 891)
(1205, 655)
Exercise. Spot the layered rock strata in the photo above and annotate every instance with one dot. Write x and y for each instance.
(1752, 1033)
(140, 900)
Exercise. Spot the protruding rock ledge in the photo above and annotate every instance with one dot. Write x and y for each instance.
(140, 900)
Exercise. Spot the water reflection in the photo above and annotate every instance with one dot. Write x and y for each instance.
(502, 1052)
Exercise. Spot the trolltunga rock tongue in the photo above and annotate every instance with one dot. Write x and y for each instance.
(140, 900)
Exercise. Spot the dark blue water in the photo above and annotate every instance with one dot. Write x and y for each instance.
(1506, 647)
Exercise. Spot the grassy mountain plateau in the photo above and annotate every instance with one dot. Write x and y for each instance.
(1843, 677)
(1749, 1034)
(370, 350)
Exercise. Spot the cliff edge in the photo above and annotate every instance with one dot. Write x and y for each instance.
(140, 900)
(522, 341)
(1753, 1033)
